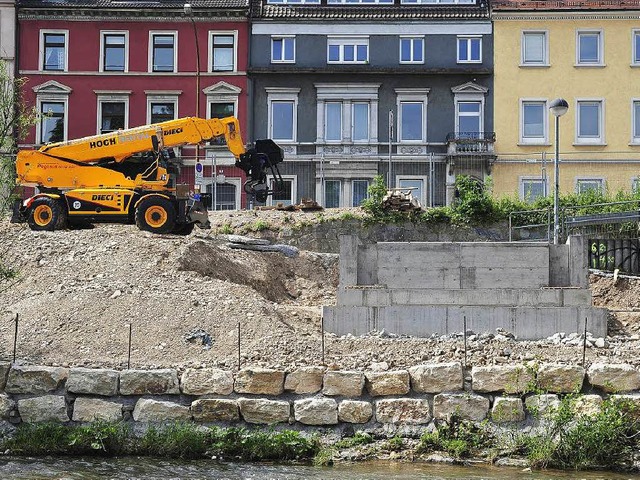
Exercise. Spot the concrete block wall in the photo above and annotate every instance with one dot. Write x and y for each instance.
(308, 396)
(422, 288)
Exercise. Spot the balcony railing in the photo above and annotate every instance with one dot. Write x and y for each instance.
(462, 143)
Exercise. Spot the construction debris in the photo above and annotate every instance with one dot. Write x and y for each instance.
(401, 200)
(306, 205)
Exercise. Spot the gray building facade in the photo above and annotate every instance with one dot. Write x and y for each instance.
(352, 90)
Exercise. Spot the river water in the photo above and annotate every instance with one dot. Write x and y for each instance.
(133, 468)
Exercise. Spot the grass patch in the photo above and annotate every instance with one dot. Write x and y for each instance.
(459, 438)
(225, 229)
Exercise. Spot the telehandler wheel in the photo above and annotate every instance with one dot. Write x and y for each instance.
(46, 213)
(156, 214)
(184, 229)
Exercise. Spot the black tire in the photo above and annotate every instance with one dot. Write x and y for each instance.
(46, 213)
(184, 229)
(156, 214)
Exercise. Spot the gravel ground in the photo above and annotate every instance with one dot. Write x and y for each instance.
(80, 292)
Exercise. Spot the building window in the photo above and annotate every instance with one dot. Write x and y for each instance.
(636, 47)
(360, 122)
(226, 195)
(348, 50)
(52, 125)
(54, 50)
(355, 2)
(283, 49)
(589, 122)
(469, 119)
(411, 121)
(112, 115)
(533, 114)
(333, 121)
(469, 49)
(532, 188)
(287, 196)
(163, 52)
(534, 48)
(635, 124)
(114, 52)
(223, 51)
(589, 48)
(416, 184)
(221, 110)
(584, 185)
(332, 193)
(282, 120)
(162, 111)
(411, 50)
(360, 190)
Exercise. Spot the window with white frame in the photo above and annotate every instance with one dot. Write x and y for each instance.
(535, 49)
(52, 122)
(162, 111)
(411, 49)
(532, 188)
(283, 113)
(347, 49)
(533, 122)
(589, 48)
(635, 123)
(287, 194)
(469, 49)
(635, 38)
(333, 121)
(412, 114)
(114, 48)
(223, 53)
(417, 184)
(584, 185)
(221, 110)
(469, 119)
(226, 195)
(283, 49)
(360, 121)
(332, 189)
(359, 192)
(162, 51)
(112, 113)
(589, 122)
(54, 50)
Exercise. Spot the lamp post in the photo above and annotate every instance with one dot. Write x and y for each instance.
(188, 11)
(558, 107)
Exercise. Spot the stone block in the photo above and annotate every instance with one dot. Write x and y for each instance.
(612, 377)
(215, 410)
(343, 383)
(48, 408)
(403, 410)
(316, 411)
(555, 378)
(260, 381)
(149, 410)
(507, 409)
(6, 405)
(541, 406)
(91, 409)
(149, 382)
(587, 405)
(502, 378)
(4, 372)
(207, 381)
(467, 406)
(354, 411)
(35, 379)
(93, 381)
(261, 410)
(437, 377)
(304, 380)
(387, 383)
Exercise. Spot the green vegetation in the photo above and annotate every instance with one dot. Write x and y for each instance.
(325, 456)
(459, 438)
(176, 440)
(259, 226)
(225, 229)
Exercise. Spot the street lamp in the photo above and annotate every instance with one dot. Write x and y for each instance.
(558, 107)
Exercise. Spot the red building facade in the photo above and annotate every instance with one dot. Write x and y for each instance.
(96, 66)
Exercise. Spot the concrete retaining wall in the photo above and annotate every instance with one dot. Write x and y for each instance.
(311, 396)
(422, 288)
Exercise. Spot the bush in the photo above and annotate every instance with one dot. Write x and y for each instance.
(457, 437)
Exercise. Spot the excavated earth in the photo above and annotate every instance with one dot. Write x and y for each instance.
(193, 301)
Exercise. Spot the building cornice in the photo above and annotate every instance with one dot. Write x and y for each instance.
(82, 15)
(564, 15)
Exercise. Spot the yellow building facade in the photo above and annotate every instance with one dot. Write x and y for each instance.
(589, 56)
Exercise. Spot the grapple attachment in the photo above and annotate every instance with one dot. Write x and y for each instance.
(256, 162)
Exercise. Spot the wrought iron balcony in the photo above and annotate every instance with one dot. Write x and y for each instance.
(464, 143)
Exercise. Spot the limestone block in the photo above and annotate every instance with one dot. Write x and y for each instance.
(6, 405)
(35, 379)
(261, 410)
(93, 381)
(149, 382)
(215, 410)
(542, 405)
(207, 381)
(354, 411)
(437, 377)
(343, 383)
(501, 378)
(587, 405)
(387, 383)
(466, 406)
(612, 377)
(149, 410)
(403, 410)
(48, 408)
(560, 378)
(316, 411)
(304, 380)
(91, 409)
(260, 381)
(4, 372)
(507, 409)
